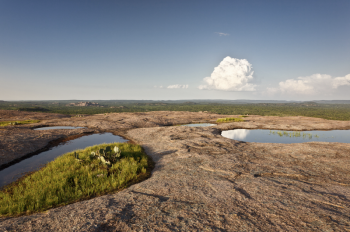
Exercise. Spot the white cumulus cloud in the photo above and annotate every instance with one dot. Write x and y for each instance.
(311, 85)
(177, 87)
(231, 75)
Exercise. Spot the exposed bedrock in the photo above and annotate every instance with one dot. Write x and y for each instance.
(203, 181)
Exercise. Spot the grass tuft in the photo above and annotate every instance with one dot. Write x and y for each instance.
(294, 134)
(7, 123)
(66, 180)
(230, 120)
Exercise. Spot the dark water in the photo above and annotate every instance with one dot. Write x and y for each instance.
(58, 127)
(277, 136)
(199, 124)
(33, 163)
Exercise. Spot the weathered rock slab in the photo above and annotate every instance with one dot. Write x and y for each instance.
(203, 181)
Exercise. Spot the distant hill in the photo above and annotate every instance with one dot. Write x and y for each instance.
(197, 101)
(99, 103)
(333, 101)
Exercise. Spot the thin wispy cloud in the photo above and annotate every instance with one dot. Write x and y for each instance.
(231, 75)
(177, 87)
(222, 34)
(158, 87)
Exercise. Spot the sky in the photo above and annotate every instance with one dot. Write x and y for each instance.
(172, 50)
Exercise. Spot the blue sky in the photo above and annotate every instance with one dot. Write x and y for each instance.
(291, 50)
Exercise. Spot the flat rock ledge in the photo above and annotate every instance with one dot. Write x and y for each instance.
(205, 182)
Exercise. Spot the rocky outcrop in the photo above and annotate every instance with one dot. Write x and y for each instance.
(205, 182)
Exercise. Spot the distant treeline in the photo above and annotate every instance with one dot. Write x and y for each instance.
(309, 109)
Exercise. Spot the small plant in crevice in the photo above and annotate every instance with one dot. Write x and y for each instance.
(229, 120)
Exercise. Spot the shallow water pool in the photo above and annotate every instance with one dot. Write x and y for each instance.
(58, 128)
(278, 136)
(34, 163)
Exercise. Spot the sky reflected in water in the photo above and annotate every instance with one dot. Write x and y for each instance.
(278, 136)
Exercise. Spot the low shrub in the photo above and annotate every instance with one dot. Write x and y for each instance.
(230, 120)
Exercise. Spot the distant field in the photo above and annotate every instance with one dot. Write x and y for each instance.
(309, 109)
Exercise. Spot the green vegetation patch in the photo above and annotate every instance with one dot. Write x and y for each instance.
(295, 134)
(230, 120)
(76, 176)
(7, 123)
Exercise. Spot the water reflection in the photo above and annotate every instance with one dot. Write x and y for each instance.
(278, 136)
(33, 163)
(239, 134)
